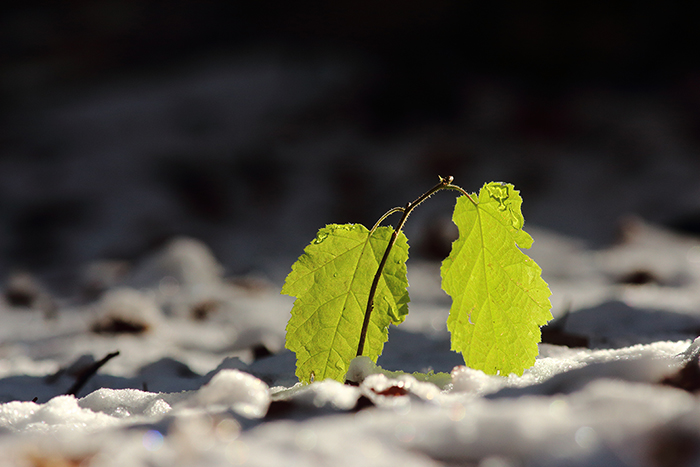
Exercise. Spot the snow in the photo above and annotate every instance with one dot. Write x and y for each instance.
(243, 393)
(212, 384)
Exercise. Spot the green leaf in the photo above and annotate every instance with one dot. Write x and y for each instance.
(331, 282)
(499, 299)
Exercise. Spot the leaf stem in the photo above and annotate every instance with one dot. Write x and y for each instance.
(445, 183)
(386, 214)
(450, 186)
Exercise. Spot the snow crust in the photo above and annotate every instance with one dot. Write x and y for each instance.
(207, 381)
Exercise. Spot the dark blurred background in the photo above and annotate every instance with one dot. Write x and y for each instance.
(249, 125)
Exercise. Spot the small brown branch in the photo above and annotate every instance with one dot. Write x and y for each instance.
(88, 373)
(445, 183)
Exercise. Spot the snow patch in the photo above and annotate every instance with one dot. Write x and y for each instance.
(242, 392)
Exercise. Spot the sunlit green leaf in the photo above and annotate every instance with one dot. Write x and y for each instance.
(331, 282)
(499, 297)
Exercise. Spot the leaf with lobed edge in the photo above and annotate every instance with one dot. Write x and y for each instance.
(331, 283)
(499, 299)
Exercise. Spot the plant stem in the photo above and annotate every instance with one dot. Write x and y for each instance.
(450, 186)
(445, 183)
(386, 214)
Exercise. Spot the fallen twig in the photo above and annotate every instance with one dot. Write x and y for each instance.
(88, 373)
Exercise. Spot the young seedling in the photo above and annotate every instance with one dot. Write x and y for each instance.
(350, 285)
